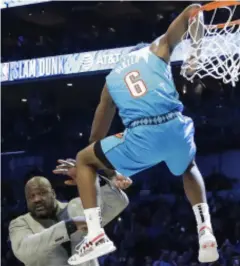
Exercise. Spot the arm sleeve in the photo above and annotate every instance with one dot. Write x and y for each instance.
(29, 247)
(114, 201)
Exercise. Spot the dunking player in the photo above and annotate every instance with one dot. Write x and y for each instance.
(142, 88)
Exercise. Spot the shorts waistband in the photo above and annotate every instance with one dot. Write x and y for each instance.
(154, 120)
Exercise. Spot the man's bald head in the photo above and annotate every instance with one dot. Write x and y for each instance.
(38, 180)
(40, 196)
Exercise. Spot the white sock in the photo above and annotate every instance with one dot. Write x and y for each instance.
(94, 220)
(202, 215)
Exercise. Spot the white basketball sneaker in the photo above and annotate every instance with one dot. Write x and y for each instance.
(207, 246)
(91, 248)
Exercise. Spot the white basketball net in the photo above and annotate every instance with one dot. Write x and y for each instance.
(216, 55)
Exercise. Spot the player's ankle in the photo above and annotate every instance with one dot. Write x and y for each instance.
(94, 235)
(93, 220)
(202, 216)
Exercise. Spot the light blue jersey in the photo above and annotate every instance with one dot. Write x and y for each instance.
(141, 85)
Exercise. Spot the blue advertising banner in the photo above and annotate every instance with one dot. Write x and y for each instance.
(96, 61)
(61, 65)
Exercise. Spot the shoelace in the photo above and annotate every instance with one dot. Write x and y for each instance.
(78, 246)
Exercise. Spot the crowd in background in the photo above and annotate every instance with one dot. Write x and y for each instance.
(157, 229)
(162, 233)
(32, 39)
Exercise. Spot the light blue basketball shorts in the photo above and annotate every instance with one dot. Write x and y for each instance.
(149, 141)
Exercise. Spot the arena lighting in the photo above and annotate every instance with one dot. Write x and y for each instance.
(111, 29)
(160, 17)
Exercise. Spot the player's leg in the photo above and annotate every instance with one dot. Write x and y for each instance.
(96, 243)
(182, 153)
(195, 191)
(87, 166)
(114, 152)
(194, 185)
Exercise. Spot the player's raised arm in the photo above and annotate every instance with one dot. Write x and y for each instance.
(164, 46)
(103, 116)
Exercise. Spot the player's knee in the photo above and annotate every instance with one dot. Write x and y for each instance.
(80, 159)
(86, 157)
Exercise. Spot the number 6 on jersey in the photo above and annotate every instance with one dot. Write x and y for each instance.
(135, 85)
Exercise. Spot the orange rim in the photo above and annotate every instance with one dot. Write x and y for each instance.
(222, 25)
(214, 5)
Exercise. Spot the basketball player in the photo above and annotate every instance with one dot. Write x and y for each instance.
(142, 88)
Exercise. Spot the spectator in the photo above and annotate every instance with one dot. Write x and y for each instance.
(41, 237)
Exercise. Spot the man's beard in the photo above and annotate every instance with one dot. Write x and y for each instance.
(50, 213)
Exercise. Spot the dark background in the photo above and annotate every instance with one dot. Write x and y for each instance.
(48, 119)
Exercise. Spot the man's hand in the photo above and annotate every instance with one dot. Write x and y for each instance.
(67, 167)
(121, 181)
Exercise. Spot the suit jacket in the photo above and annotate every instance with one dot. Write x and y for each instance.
(41, 242)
